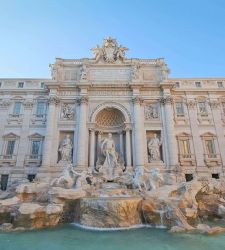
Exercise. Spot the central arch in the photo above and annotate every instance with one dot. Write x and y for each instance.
(111, 106)
(114, 118)
(110, 118)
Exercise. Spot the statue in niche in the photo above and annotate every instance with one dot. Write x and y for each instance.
(154, 148)
(110, 168)
(67, 112)
(65, 149)
(83, 72)
(151, 112)
(135, 72)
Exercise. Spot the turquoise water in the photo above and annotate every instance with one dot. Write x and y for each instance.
(70, 237)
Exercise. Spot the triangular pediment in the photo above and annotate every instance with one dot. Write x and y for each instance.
(36, 135)
(10, 135)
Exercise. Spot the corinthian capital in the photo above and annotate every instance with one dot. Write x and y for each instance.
(83, 100)
(137, 100)
(28, 104)
(5, 104)
(166, 100)
(54, 100)
(191, 104)
(214, 104)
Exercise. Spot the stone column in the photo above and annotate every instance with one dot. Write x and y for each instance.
(82, 144)
(215, 106)
(128, 147)
(47, 149)
(4, 106)
(169, 128)
(23, 145)
(138, 132)
(99, 142)
(197, 142)
(121, 144)
(92, 148)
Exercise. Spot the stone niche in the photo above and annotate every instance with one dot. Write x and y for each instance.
(154, 146)
(66, 141)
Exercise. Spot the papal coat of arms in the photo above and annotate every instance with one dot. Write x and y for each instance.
(110, 51)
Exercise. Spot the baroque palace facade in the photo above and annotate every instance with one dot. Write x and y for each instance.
(174, 124)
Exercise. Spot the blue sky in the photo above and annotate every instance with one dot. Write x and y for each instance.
(189, 34)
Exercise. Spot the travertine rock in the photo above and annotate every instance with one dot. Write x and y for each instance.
(35, 191)
(58, 194)
(10, 201)
(110, 212)
(32, 215)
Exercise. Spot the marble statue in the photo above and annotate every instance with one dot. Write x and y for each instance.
(110, 168)
(109, 151)
(151, 112)
(110, 51)
(65, 149)
(81, 179)
(154, 148)
(67, 112)
(66, 179)
(155, 179)
(83, 72)
(135, 72)
(139, 179)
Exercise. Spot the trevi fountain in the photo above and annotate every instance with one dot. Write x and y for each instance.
(87, 193)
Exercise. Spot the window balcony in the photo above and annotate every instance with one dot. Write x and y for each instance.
(38, 119)
(9, 159)
(15, 118)
(212, 160)
(33, 159)
(187, 159)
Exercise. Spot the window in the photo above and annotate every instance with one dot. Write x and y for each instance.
(188, 177)
(42, 85)
(202, 108)
(210, 148)
(220, 84)
(179, 109)
(35, 147)
(31, 177)
(10, 147)
(41, 106)
(20, 85)
(177, 84)
(185, 148)
(4, 181)
(215, 176)
(17, 108)
(198, 84)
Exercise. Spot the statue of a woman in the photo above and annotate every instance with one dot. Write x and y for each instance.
(65, 149)
(154, 148)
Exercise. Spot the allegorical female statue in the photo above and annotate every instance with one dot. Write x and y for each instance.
(154, 148)
(65, 149)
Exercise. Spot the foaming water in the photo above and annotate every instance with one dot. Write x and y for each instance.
(117, 228)
(107, 228)
(71, 237)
